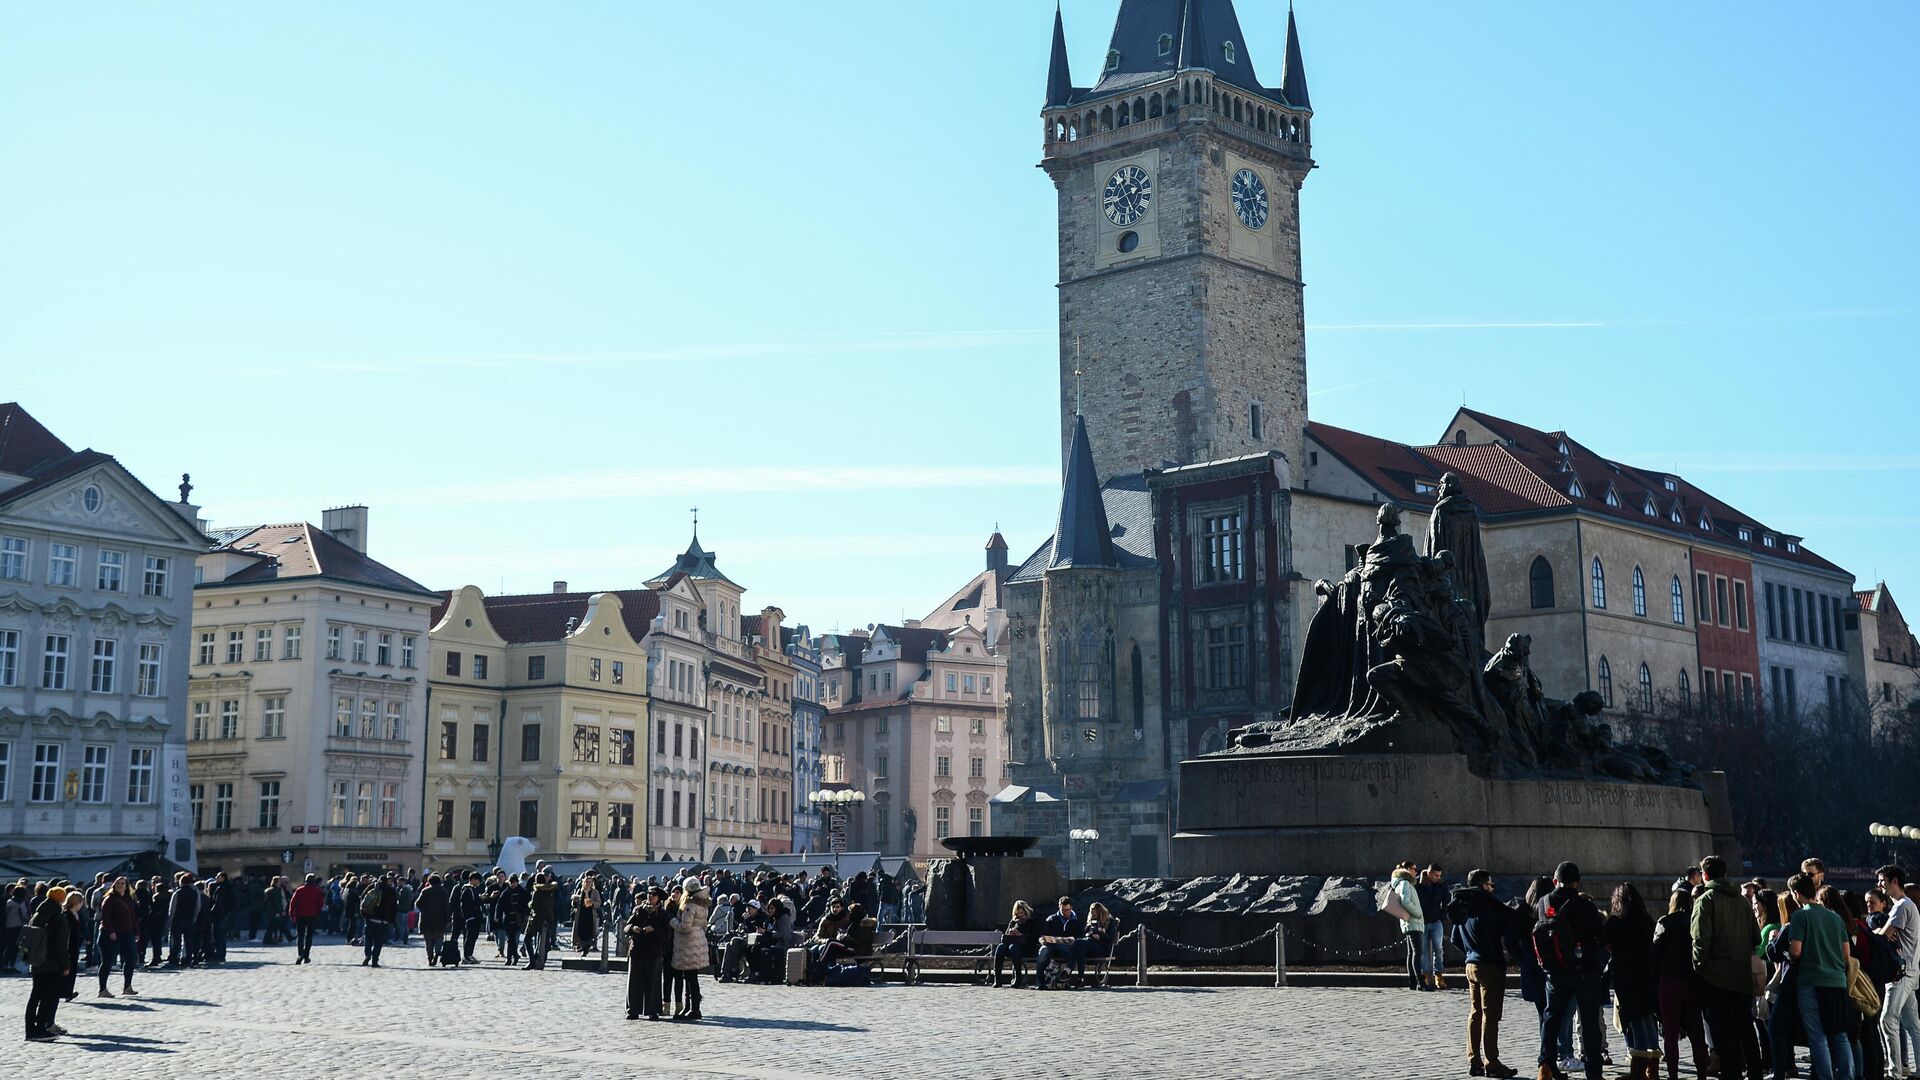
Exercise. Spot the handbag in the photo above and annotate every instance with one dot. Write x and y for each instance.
(1860, 989)
(1388, 900)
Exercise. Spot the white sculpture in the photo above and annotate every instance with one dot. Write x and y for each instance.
(514, 852)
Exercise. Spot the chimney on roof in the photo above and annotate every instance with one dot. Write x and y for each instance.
(559, 587)
(347, 524)
(913, 624)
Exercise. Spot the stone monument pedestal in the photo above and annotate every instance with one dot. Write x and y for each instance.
(1359, 814)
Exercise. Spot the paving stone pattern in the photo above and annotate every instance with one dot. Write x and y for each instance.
(260, 1015)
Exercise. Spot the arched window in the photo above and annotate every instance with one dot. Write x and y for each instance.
(1599, 583)
(1679, 608)
(1686, 694)
(1639, 593)
(1166, 44)
(1089, 657)
(1606, 682)
(1226, 50)
(1646, 689)
(1113, 59)
(1540, 582)
(1460, 437)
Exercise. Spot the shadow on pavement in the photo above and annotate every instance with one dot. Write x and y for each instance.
(120, 1044)
(177, 1001)
(115, 1006)
(762, 1024)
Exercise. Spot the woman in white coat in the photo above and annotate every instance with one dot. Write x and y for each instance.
(690, 945)
(1413, 926)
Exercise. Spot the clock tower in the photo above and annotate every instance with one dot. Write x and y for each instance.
(1178, 175)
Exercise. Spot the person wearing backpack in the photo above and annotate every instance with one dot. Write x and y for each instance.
(1569, 940)
(1401, 900)
(1724, 939)
(47, 938)
(379, 906)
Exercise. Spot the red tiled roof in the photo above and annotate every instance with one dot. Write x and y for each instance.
(1866, 597)
(525, 618)
(25, 443)
(298, 549)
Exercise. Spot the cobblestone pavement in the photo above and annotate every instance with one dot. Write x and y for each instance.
(261, 1015)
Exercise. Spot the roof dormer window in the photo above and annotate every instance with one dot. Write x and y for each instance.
(1649, 509)
(1166, 45)
(1425, 487)
(1670, 484)
(1226, 50)
(1113, 59)
(1706, 523)
(1574, 490)
(1746, 535)
(1675, 515)
(1767, 539)
(1793, 548)
(1612, 498)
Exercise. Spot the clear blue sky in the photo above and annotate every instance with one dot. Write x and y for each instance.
(533, 280)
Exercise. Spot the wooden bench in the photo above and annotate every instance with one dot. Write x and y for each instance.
(919, 941)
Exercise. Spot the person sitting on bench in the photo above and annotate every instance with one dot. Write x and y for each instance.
(856, 940)
(1059, 940)
(1102, 930)
(1020, 941)
(733, 955)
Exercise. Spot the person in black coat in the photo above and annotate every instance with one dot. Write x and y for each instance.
(509, 914)
(55, 969)
(1020, 941)
(434, 908)
(1060, 937)
(468, 914)
(1636, 982)
(183, 909)
(1481, 927)
(649, 933)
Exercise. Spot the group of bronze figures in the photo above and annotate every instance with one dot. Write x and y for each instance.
(1395, 657)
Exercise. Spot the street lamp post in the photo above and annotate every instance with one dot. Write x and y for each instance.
(836, 804)
(1086, 838)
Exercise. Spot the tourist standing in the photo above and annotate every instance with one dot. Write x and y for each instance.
(649, 933)
(1433, 906)
(54, 968)
(119, 936)
(1724, 939)
(1413, 926)
(182, 911)
(433, 906)
(13, 915)
(690, 944)
(1678, 986)
(305, 906)
(1570, 939)
(1636, 985)
(1481, 926)
(1817, 942)
(379, 907)
(1899, 1011)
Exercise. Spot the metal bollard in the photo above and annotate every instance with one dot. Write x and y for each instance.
(603, 948)
(1280, 956)
(1140, 960)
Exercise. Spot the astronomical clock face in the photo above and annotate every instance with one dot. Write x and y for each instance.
(1249, 198)
(1129, 191)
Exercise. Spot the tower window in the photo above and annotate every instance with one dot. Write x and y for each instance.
(1113, 59)
(1226, 50)
(1255, 422)
(1128, 241)
(1166, 44)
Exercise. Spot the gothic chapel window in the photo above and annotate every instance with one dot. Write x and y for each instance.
(1089, 690)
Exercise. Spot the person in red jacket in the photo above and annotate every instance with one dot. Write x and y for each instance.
(305, 907)
(119, 936)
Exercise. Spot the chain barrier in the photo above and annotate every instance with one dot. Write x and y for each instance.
(1350, 954)
(1201, 949)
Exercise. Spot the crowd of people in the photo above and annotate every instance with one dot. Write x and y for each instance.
(1741, 974)
(739, 925)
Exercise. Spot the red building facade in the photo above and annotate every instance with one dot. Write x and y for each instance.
(1724, 614)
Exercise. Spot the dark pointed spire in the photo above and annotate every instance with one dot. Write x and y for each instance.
(1082, 537)
(1059, 78)
(1193, 37)
(1293, 84)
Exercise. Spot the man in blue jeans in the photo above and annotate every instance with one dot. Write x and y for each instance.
(1817, 941)
(1572, 946)
(1433, 901)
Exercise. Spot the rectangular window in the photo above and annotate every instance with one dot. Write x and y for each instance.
(1773, 612)
(146, 674)
(343, 717)
(333, 642)
(479, 666)
(943, 766)
(229, 719)
(236, 646)
(273, 718)
(13, 558)
(880, 765)
(1227, 657)
(1221, 548)
(1799, 617)
(1702, 589)
(619, 672)
(408, 646)
(536, 668)
(620, 821)
(112, 572)
(63, 563)
(584, 821)
(942, 822)
(977, 726)
(389, 805)
(263, 645)
(880, 724)
(481, 738)
(586, 743)
(383, 656)
(290, 643)
(1793, 695)
(443, 820)
(953, 682)
(529, 746)
(369, 718)
(153, 578)
(359, 646)
(976, 821)
(660, 807)
(449, 740)
(53, 662)
(363, 805)
(593, 669)
(202, 720)
(9, 658)
(1740, 616)
(1722, 614)
(206, 650)
(477, 819)
(100, 674)
(660, 740)
(197, 799)
(969, 685)
(139, 775)
(1833, 698)
(269, 815)
(222, 807)
(453, 665)
(530, 818)
(619, 747)
(1826, 622)
(93, 773)
(977, 768)
(396, 726)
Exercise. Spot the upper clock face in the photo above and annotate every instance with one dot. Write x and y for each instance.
(1129, 191)
(1249, 198)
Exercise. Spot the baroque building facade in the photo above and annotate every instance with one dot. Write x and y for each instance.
(95, 608)
(306, 727)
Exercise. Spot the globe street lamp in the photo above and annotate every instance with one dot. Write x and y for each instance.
(836, 803)
(1086, 838)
